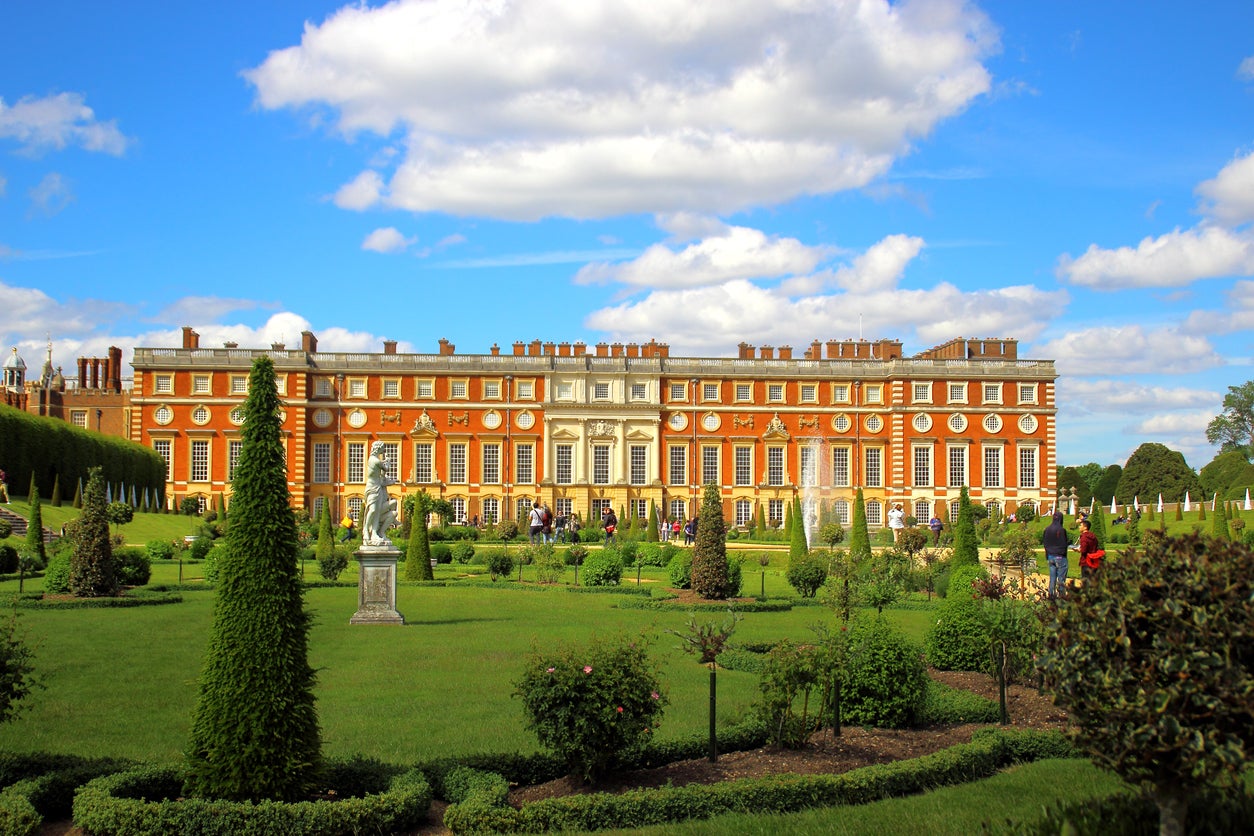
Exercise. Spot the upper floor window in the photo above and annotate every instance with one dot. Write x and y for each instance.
(992, 393)
(744, 392)
(424, 388)
(239, 384)
(78, 417)
(491, 390)
(565, 391)
(809, 393)
(922, 393)
(163, 384)
(1027, 393)
(875, 394)
(775, 392)
(957, 393)
(200, 384)
(709, 391)
(679, 391)
(357, 387)
(391, 388)
(639, 391)
(840, 393)
(457, 389)
(525, 390)
(601, 391)
(322, 387)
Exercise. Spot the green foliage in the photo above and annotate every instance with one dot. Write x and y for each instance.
(759, 523)
(957, 641)
(708, 640)
(189, 506)
(860, 537)
(92, 569)
(1153, 469)
(1018, 551)
(602, 568)
(1097, 523)
(57, 575)
(120, 513)
(832, 533)
(549, 564)
(709, 555)
(500, 563)
(160, 550)
(462, 551)
(1225, 472)
(1219, 525)
(55, 500)
(331, 565)
(884, 682)
(808, 575)
(255, 730)
(35, 528)
(575, 554)
(1107, 487)
(797, 546)
(651, 532)
(17, 670)
(966, 546)
(789, 676)
(1166, 635)
(679, 570)
(1233, 429)
(418, 553)
(133, 567)
(6, 528)
(326, 536)
(592, 704)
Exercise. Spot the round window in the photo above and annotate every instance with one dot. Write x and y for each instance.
(237, 415)
(874, 423)
(678, 421)
(492, 419)
(200, 415)
(163, 415)
(992, 423)
(922, 422)
(841, 423)
(322, 417)
(710, 422)
(1027, 423)
(356, 418)
(957, 422)
(525, 420)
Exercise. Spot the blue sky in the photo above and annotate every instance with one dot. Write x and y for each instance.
(1077, 175)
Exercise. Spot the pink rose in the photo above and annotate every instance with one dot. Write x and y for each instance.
(587, 669)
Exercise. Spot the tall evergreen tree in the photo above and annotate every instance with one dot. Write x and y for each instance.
(326, 536)
(859, 536)
(709, 554)
(255, 730)
(93, 572)
(797, 547)
(35, 529)
(650, 534)
(1097, 524)
(418, 553)
(966, 544)
(1219, 524)
(759, 526)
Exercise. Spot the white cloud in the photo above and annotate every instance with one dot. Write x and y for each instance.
(1176, 423)
(1124, 397)
(1229, 197)
(522, 110)
(58, 121)
(737, 253)
(1175, 259)
(205, 309)
(881, 266)
(387, 239)
(1245, 71)
(1129, 349)
(51, 195)
(1239, 315)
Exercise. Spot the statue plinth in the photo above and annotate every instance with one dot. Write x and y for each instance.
(376, 585)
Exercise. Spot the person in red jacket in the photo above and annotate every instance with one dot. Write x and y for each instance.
(1091, 552)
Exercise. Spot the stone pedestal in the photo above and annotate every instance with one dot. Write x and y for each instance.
(376, 587)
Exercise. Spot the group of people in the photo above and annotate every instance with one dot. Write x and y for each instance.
(1057, 543)
(671, 529)
(544, 527)
(897, 524)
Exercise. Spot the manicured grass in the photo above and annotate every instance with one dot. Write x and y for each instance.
(1019, 793)
(139, 531)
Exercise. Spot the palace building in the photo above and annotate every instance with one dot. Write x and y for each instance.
(583, 428)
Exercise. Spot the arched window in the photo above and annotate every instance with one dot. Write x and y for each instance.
(744, 512)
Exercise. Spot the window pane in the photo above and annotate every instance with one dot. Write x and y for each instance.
(564, 463)
(524, 465)
(679, 466)
(356, 462)
(744, 465)
(423, 462)
(639, 464)
(457, 463)
(491, 463)
(709, 466)
(775, 465)
(600, 464)
(840, 467)
(874, 468)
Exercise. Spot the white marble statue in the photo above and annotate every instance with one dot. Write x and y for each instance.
(380, 512)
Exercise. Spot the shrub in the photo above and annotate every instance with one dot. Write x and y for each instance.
(506, 530)
(576, 554)
(735, 576)
(462, 551)
(57, 575)
(463, 782)
(332, 564)
(92, 567)
(499, 562)
(200, 547)
(549, 564)
(958, 641)
(132, 566)
(6, 528)
(602, 568)
(592, 704)
(808, 575)
(680, 570)
(159, 550)
(442, 553)
(787, 678)
(8, 559)
(709, 554)
(627, 550)
(884, 682)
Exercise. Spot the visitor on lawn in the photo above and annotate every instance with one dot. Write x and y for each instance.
(1056, 544)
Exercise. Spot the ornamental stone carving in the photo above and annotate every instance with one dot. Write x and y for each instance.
(775, 429)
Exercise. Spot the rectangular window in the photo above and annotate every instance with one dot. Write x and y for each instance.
(775, 511)
(957, 393)
(992, 393)
(875, 394)
(600, 464)
(840, 393)
(744, 465)
(356, 462)
(357, 387)
(922, 466)
(709, 466)
(709, 391)
(775, 392)
(957, 466)
(679, 509)
(639, 391)
(564, 506)
(565, 391)
(424, 461)
(78, 417)
(1027, 393)
(809, 393)
(679, 466)
(564, 463)
(639, 455)
(163, 384)
(391, 388)
(809, 466)
(165, 449)
(457, 389)
(200, 384)
(1027, 467)
(457, 463)
(424, 389)
(322, 387)
(744, 512)
(491, 390)
(992, 467)
(599, 507)
(525, 464)
(491, 510)
(744, 392)
(774, 465)
(840, 467)
(491, 464)
(233, 449)
(922, 393)
(322, 462)
(391, 455)
(522, 508)
(200, 460)
(679, 392)
(601, 391)
(874, 466)
(525, 390)
(459, 509)
(280, 384)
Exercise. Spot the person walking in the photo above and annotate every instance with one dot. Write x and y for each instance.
(936, 525)
(1091, 552)
(690, 532)
(535, 524)
(609, 521)
(896, 521)
(1056, 543)
(559, 525)
(347, 524)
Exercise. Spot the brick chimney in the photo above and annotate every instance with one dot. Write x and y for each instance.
(446, 347)
(389, 346)
(308, 342)
(520, 348)
(190, 338)
(495, 350)
(785, 352)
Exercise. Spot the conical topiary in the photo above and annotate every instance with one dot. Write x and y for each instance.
(1219, 527)
(651, 533)
(759, 525)
(78, 495)
(966, 545)
(35, 528)
(255, 729)
(859, 535)
(93, 572)
(797, 547)
(418, 553)
(709, 555)
(55, 500)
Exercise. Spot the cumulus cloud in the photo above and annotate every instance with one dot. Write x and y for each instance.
(51, 195)
(1175, 259)
(1124, 397)
(1130, 349)
(1175, 423)
(205, 309)
(1229, 197)
(1238, 315)
(58, 121)
(31, 314)
(522, 110)
(387, 239)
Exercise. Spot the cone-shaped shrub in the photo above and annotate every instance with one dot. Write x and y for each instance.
(1201, 512)
(255, 730)
(78, 495)
(92, 570)
(326, 540)
(1219, 523)
(418, 554)
(651, 535)
(1097, 522)
(35, 528)
(55, 500)
(859, 536)
(1179, 511)
(797, 547)
(759, 525)
(709, 555)
(966, 545)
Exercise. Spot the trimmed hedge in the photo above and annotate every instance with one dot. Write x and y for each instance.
(777, 605)
(133, 598)
(41, 786)
(1129, 814)
(989, 751)
(119, 804)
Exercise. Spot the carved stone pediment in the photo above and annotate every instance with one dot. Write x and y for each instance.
(638, 434)
(424, 426)
(775, 430)
(564, 434)
(602, 429)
